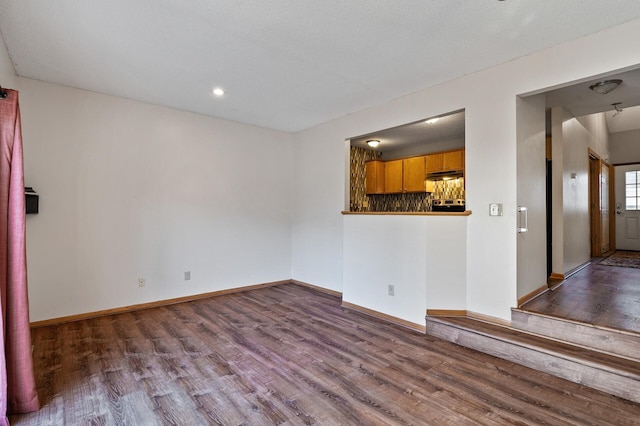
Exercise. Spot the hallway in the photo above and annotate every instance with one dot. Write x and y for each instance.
(604, 296)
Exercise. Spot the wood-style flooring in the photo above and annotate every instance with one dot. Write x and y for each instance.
(288, 355)
(606, 296)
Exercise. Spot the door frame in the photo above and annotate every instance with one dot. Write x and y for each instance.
(612, 208)
(594, 204)
(595, 213)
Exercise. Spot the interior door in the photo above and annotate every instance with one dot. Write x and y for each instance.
(627, 204)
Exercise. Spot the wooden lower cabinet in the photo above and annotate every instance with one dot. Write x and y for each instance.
(375, 177)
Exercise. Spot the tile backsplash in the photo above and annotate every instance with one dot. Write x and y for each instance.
(358, 187)
(413, 202)
(447, 189)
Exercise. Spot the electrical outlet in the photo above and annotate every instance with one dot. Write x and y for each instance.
(141, 282)
(187, 275)
(391, 289)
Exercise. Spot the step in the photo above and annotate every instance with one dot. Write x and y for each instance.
(605, 372)
(612, 341)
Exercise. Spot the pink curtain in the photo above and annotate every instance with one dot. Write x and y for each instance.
(18, 390)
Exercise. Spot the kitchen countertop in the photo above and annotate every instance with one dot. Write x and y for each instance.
(465, 213)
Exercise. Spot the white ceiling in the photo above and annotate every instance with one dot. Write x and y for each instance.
(628, 119)
(285, 64)
(580, 100)
(448, 127)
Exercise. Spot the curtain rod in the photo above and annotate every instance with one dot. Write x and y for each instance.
(3, 93)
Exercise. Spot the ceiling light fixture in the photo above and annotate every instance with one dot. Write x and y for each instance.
(218, 91)
(606, 86)
(432, 120)
(616, 106)
(373, 143)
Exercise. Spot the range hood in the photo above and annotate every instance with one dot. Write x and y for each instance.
(451, 174)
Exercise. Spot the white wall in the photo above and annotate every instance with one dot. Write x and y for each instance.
(625, 147)
(319, 178)
(131, 190)
(532, 253)
(418, 255)
(598, 141)
(578, 135)
(7, 73)
(489, 100)
(381, 251)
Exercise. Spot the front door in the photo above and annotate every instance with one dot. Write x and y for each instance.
(627, 204)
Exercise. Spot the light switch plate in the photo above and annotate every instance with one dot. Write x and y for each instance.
(495, 209)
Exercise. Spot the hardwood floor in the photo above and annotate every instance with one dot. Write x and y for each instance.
(288, 355)
(606, 296)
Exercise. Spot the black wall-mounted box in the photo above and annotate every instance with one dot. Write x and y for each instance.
(31, 200)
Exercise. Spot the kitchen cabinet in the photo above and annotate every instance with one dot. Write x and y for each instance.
(445, 162)
(453, 160)
(375, 177)
(434, 163)
(413, 174)
(393, 177)
(406, 175)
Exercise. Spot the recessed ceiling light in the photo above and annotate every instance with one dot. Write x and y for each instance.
(373, 143)
(218, 91)
(432, 120)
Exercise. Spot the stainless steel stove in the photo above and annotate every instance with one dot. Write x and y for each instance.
(448, 205)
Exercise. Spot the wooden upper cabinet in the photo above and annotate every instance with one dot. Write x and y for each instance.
(375, 177)
(434, 163)
(414, 174)
(405, 175)
(453, 160)
(445, 161)
(393, 176)
(409, 174)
